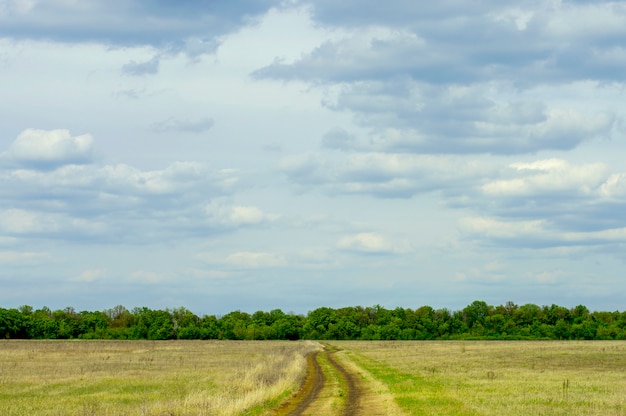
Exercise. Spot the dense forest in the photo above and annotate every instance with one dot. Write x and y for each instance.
(476, 321)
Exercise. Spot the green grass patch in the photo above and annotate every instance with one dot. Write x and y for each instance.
(494, 378)
(415, 394)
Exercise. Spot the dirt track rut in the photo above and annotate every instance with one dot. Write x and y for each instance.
(306, 400)
(351, 406)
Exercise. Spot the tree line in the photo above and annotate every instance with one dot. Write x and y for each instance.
(478, 320)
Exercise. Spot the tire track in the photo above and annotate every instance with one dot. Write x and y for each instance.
(313, 387)
(314, 383)
(353, 389)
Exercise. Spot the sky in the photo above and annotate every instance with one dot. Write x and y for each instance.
(258, 155)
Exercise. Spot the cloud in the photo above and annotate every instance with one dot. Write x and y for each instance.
(47, 149)
(493, 228)
(614, 187)
(366, 55)
(549, 176)
(536, 234)
(575, 197)
(192, 27)
(461, 120)
(548, 203)
(453, 79)
(305, 169)
(542, 203)
(31, 223)
(187, 126)
(255, 260)
(91, 275)
(339, 139)
(70, 201)
(24, 258)
(149, 67)
(236, 215)
(366, 243)
(384, 175)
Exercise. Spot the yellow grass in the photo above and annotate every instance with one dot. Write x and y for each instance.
(147, 377)
(499, 378)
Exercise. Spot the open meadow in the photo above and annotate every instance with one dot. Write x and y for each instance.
(254, 377)
(148, 377)
(498, 377)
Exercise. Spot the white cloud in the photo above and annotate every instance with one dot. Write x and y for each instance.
(549, 175)
(614, 186)
(255, 260)
(493, 228)
(237, 215)
(51, 148)
(372, 243)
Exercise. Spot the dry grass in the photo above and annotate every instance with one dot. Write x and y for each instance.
(146, 377)
(500, 378)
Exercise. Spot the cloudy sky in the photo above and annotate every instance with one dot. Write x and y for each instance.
(253, 155)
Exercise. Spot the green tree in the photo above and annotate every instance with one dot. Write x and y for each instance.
(152, 324)
(234, 325)
(186, 324)
(13, 324)
(319, 321)
(475, 314)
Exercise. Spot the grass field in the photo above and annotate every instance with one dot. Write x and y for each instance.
(499, 378)
(250, 377)
(147, 378)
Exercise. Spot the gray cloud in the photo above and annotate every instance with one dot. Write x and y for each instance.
(183, 25)
(453, 79)
(339, 139)
(460, 119)
(150, 67)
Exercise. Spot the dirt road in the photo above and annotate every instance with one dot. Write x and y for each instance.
(334, 385)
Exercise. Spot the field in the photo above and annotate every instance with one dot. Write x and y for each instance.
(357, 378)
(147, 377)
(499, 378)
